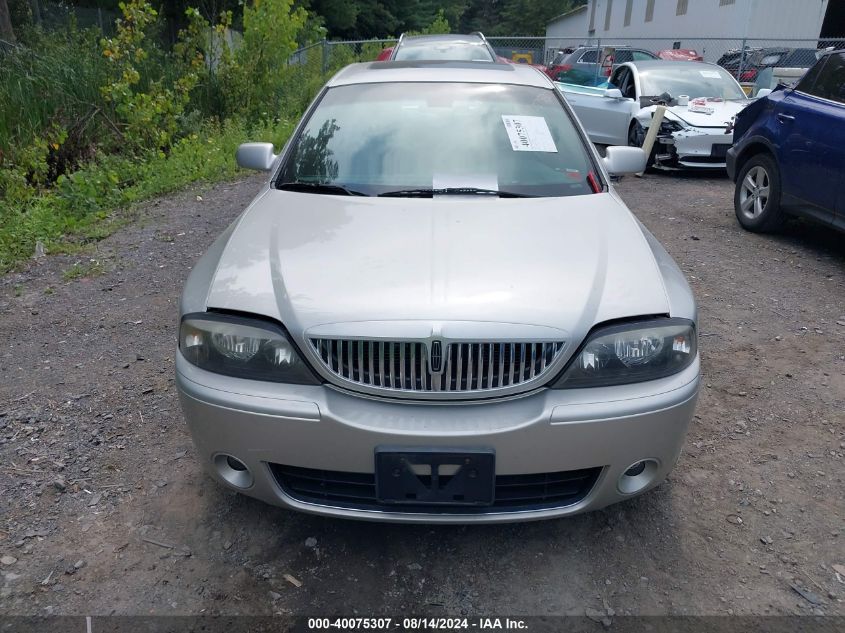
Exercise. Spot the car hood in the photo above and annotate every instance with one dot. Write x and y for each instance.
(322, 261)
(723, 113)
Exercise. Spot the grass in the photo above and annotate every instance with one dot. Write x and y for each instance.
(81, 208)
(81, 270)
(55, 83)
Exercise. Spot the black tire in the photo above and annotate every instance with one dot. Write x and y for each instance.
(636, 134)
(636, 138)
(757, 195)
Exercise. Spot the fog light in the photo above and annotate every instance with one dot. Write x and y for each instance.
(638, 476)
(235, 464)
(635, 470)
(233, 471)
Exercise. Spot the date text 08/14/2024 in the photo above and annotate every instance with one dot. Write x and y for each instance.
(416, 624)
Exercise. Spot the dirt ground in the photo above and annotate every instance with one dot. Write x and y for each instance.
(104, 509)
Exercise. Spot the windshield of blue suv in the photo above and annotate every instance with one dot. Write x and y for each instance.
(694, 81)
(407, 138)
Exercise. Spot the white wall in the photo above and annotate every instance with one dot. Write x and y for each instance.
(770, 19)
(572, 26)
(706, 18)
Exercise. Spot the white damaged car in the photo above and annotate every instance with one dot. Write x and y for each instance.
(701, 102)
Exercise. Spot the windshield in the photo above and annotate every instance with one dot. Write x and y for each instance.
(799, 58)
(695, 81)
(387, 137)
(455, 51)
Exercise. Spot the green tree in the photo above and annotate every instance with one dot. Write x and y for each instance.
(529, 17)
(339, 16)
(439, 25)
(254, 73)
(512, 17)
(365, 19)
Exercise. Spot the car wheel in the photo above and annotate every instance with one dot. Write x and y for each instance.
(757, 195)
(636, 138)
(636, 134)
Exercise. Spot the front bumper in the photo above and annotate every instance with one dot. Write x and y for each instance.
(730, 161)
(544, 431)
(693, 148)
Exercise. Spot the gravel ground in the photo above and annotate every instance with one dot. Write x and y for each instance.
(104, 510)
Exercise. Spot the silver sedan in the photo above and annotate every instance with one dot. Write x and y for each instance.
(437, 309)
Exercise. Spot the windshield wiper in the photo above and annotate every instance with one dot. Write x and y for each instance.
(318, 187)
(451, 191)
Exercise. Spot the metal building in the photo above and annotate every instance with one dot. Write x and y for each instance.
(684, 23)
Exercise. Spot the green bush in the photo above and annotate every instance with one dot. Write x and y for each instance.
(89, 125)
(81, 203)
(53, 116)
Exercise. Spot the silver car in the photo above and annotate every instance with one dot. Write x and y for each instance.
(437, 309)
(473, 47)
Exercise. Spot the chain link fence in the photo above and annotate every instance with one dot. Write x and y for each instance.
(742, 57)
(541, 50)
(52, 15)
(329, 56)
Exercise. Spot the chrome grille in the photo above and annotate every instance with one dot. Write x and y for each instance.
(405, 365)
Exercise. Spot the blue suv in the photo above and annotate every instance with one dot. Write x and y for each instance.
(788, 155)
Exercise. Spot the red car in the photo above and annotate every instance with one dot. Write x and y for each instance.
(680, 55)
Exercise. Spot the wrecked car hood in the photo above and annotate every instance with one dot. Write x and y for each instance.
(718, 113)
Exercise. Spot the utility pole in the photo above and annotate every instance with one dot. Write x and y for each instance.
(742, 55)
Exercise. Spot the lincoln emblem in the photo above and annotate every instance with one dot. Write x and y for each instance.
(436, 360)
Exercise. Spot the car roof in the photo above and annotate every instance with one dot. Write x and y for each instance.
(472, 38)
(440, 71)
(597, 46)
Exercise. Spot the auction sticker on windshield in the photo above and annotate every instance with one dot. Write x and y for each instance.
(528, 133)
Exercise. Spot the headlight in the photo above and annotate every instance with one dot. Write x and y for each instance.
(243, 348)
(670, 126)
(633, 352)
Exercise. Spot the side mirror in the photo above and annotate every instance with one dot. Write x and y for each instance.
(620, 160)
(613, 93)
(258, 156)
(763, 92)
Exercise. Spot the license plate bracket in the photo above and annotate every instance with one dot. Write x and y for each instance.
(435, 476)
